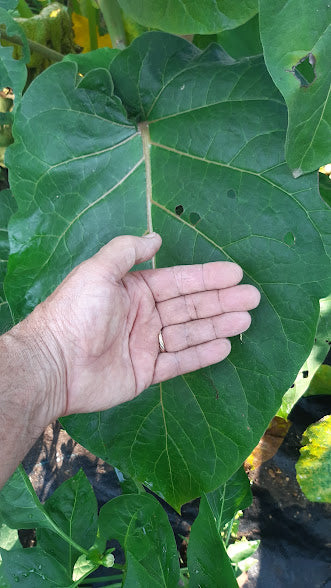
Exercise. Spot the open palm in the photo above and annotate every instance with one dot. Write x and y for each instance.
(107, 321)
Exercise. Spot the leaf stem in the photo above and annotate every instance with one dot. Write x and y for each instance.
(24, 9)
(34, 46)
(229, 530)
(113, 18)
(92, 24)
(89, 11)
(66, 537)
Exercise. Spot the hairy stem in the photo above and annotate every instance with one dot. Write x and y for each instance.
(113, 18)
(34, 46)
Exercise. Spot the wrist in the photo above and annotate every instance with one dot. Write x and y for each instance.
(38, 368)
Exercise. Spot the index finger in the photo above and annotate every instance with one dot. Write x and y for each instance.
(171, 282)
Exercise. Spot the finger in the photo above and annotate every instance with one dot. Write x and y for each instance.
(169, 365)
(178, 337)
(204, 304)
(171, 282)
(122, 253)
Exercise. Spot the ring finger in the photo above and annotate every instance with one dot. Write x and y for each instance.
(184, 335)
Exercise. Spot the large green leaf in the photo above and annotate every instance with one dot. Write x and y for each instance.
(190, 16)
(21, 509)
(314, 465)
(13, 72)
(7, 207)
(141, 526)
(296, 37)
(214, 144)
(207, 560)
(8, 4)
(33, 569)
(73, 507)
(232, 496)
(19, 504)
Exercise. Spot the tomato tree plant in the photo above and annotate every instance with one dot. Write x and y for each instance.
(215, 144)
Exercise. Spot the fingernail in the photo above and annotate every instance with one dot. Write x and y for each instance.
(150, 235)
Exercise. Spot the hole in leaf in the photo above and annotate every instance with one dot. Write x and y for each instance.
(179, 209)
(194, 218)
(289, 239)
(304, 71)
(231, 194)
(292, 386)
(305, 374)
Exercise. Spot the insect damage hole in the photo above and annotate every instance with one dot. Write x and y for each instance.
(289, 239)
(179, 209)
(304, 70)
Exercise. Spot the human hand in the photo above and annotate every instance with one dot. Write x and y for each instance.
(106, 323)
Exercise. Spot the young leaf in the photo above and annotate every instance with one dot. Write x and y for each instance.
(13, 72)
(211, 140)
(7, 207)
(296, 37)
(232, 496)
(141, 526)
(313, 467)
(73, 508)
(207, 560)
(239, 42)
(21, 509)
(93, 59)
(9, 538)
(241, 550)
(190, 16)
(33, 569)
(19, 504)
(321, 382)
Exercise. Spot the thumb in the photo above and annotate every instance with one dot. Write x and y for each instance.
(122, 253)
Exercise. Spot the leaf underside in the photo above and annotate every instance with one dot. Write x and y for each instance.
(296, 37)
(185, 17)
(206, 133)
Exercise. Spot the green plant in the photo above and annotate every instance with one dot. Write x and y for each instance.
(190, 142)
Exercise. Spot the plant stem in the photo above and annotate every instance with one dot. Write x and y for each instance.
(113, 18)
(90, 13)
(24, 10)
(34, 46)
(92, 25)
(229, 530)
